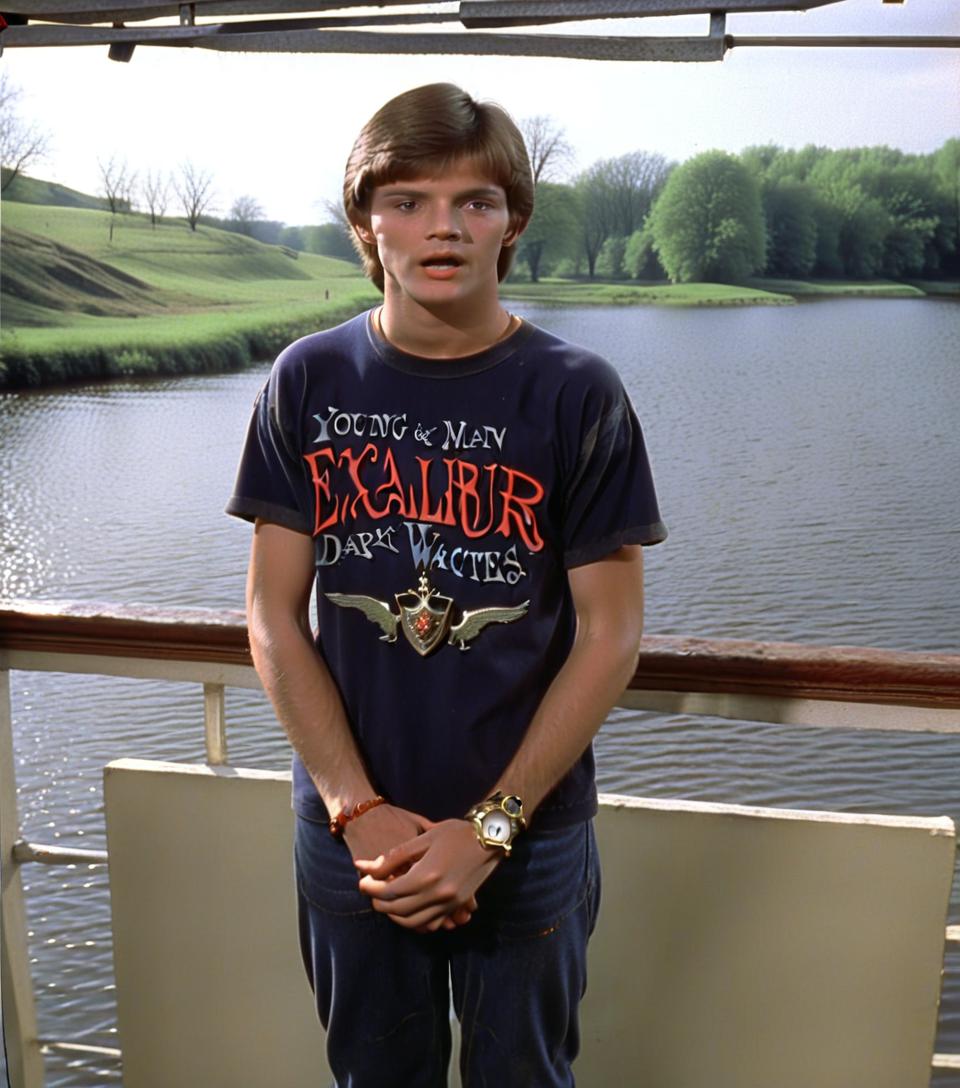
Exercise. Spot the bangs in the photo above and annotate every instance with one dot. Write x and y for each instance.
(492, 161)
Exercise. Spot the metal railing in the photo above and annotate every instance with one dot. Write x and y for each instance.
(841, 686)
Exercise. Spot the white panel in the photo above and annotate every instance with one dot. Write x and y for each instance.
(751, 948)
(737, 947)
(210, 989)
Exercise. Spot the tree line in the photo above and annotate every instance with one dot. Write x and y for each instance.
(857, 213)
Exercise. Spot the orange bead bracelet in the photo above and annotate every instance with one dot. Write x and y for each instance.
(340, 821)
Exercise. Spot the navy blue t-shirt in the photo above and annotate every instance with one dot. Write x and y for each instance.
(436, 489)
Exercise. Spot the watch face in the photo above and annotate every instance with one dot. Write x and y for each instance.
(496, 826)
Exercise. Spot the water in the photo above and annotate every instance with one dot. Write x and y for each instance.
(807, 461)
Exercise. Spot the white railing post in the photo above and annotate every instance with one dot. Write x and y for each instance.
(24, 1058)
(215, 723)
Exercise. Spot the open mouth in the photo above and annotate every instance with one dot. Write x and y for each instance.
(442, 262)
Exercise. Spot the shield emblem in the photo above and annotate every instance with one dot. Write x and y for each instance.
(424, 617)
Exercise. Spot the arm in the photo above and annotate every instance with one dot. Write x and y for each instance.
(608, 598)
(447, 864)
(303, 694)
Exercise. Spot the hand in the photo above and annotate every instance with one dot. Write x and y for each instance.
(381, 829)
(429, 882)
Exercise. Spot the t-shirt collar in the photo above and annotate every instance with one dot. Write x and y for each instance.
(461, 367)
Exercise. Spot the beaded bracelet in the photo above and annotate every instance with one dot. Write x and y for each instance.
(339, 822)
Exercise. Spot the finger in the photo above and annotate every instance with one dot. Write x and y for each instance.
(395, 861)
(368, 865)
(407, 905)
(403, 885)
(461, 917)
(428, 920)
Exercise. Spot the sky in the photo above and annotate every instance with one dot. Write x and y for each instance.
(279, 127)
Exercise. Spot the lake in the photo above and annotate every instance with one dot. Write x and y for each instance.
(807, 460)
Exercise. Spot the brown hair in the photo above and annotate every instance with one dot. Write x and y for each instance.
(419, 134)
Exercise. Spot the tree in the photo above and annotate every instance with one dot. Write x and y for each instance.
(117, 183)
(791, 228)
(551, 155)
(155, 190)
(333, 238)
(293, 238)
(610, 261)
(21, 143)
(595, 215)
(246, 210)
(708, 221)
(640, 258)
(631, 183)
(946, 171)
(616, 196)
(552, 230)
(194, 189)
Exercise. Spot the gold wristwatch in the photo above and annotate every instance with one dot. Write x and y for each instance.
(498, 821)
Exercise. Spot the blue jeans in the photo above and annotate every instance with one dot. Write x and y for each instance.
(517, 969)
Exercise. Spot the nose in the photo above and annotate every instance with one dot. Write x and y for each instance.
(444, 223)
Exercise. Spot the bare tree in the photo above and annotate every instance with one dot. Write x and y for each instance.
(551, 155)
(245, 212)
(155, 190)
(194, 189)
(21, 143)
(117, 182)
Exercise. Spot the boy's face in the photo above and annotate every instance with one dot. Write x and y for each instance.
(439, 238)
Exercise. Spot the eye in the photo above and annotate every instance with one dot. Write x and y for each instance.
(406, 205)
(479, 205)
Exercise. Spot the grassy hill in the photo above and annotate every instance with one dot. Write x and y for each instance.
(77, 303)
(35, 191)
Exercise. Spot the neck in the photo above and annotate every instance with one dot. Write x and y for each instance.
(441, 332)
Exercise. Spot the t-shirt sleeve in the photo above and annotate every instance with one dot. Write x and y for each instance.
(272, 481)
(610, 498)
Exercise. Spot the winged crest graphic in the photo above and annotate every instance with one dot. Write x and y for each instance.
(426, 617)
(377, 611)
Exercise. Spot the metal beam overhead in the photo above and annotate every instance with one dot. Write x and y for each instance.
(201, 25)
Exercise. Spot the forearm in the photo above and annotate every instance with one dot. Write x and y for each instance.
(574, 707)
(608, 600)
(307, 704)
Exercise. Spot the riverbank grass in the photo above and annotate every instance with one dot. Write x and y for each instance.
(579, 293)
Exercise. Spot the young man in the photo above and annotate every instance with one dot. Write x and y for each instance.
(468, 493)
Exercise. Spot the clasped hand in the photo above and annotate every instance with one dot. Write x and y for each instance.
(428, 881)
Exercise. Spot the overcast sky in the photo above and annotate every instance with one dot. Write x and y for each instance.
(279, 127)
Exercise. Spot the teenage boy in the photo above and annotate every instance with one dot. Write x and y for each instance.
(468, 493)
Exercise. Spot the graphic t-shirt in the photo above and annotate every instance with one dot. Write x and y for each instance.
(446, 500)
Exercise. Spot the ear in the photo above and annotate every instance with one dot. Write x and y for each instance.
(363, 232)
(516, 228)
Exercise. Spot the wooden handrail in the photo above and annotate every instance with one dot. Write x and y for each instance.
(667, 662)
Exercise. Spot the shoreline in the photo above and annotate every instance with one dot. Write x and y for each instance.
(124, 352)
